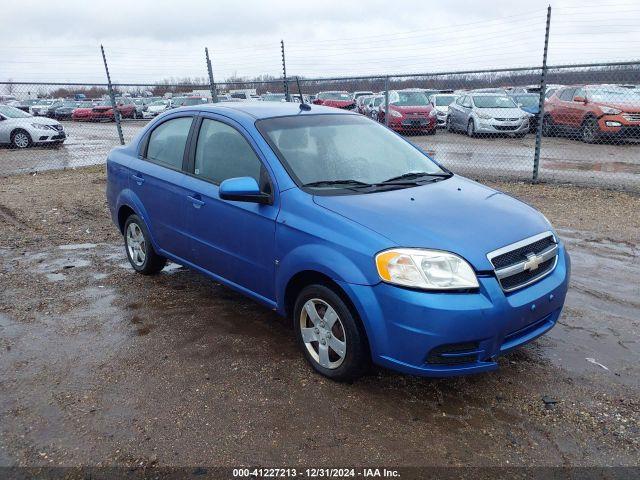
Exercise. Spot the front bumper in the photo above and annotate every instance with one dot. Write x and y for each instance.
(496, 126)
(411, 124)
(446, 334)
(616, 126)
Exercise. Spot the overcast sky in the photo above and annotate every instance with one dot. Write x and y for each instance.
(148, 40)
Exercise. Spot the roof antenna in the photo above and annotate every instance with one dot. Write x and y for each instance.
(303, 106)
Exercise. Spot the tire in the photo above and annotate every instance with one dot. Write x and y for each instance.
(448, 124)
(21, 139)
(589, 132)
(471, 129)
(338, 351)
(142, 257)
(548, 129)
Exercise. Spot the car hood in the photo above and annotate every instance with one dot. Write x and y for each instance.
(456, 215)
(533, 110)
(500, 112)
(630, 107)
(32, 120)
(337, 103)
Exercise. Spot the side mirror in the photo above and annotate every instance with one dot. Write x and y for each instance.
(580, 99)
(243, 189)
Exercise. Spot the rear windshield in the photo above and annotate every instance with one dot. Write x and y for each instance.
(528, 100)
(444, 100)
(334, 96)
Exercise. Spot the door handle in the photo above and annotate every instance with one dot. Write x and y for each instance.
(137, 178)
(195, 201)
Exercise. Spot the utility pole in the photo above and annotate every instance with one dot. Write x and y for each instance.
(284, 73)
(543, 90)
(116, 113)
(212, 85)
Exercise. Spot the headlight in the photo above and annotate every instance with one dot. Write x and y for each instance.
(395, 113)
(39, 126)
(610, 110)
(484, 116)
(425, 269)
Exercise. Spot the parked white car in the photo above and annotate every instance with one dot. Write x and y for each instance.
(156, 108)
(440, 102)
(21, 129)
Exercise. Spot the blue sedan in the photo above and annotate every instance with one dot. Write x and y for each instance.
(374, 251)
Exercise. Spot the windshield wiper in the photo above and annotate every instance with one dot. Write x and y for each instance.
(329, 183)
(417, 175)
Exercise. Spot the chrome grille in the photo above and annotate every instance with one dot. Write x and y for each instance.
(525, 262)
(631, 117)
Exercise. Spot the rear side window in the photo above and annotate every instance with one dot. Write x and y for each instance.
(167, 142)
(222, 152)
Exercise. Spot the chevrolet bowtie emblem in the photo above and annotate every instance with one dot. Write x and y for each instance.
(533, 262)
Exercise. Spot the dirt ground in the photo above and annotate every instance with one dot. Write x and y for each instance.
(101, 366)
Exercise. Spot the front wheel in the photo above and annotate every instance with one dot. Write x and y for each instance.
(330, 337)
(142, 257)
(590, 130)
(21, 139)
(448, 124)
(548, 130)
(471, 128)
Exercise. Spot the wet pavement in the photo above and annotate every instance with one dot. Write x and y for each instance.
(102, 366)
(498, 157)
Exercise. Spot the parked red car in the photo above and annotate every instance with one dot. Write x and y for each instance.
(83, 112)
(593, 112)
(410, 112)
(335, 99)
(104, 110)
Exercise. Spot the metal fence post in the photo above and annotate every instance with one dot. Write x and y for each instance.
(543, 90)
(284, 73)
(386, 101)
(212, 84)
(116, 112)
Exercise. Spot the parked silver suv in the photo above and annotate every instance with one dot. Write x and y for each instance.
(476, 113)
(21, 129)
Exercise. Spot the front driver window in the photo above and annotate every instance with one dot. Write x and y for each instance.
(222, 153)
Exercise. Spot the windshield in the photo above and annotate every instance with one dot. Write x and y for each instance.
(528, 101)
(12, 112)
(612, 95)
(334, 96)
(193, 101)
(406, 99)
(444, 100)
(493, 101)
(318, 148)
(45, 102)
(69, 104)
(273, 97)
(158, 103)
(85, 105)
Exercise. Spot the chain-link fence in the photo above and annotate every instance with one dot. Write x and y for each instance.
(483, 124)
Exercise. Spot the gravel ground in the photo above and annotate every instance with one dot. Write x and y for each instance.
(100, 366)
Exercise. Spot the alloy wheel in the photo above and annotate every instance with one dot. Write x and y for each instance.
(136, 244)
(323, 333)
(21, 140)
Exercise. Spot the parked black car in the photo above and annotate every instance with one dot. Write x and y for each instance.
(65, 111)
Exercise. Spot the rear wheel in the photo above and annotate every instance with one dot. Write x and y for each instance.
(21, 139)
(332, 340)
(590, 130)
(142, 257)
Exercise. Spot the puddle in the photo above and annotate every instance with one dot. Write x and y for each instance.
(78, 246)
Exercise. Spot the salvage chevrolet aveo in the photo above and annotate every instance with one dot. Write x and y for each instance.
(373, 250)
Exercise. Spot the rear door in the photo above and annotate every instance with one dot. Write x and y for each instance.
(230, 239)
(157, 179)
(563, 109)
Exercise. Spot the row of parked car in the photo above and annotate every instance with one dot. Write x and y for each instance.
(588, 112)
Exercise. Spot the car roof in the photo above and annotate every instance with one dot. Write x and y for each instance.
(259, 110)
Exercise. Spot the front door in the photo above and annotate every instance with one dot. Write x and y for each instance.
(231, 239)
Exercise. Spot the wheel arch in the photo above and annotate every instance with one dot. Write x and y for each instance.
(303, 279)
